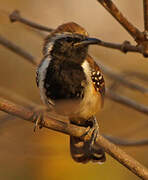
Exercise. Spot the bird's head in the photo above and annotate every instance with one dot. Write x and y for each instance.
(68, 46)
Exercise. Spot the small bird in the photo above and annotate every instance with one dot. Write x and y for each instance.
(71, 83)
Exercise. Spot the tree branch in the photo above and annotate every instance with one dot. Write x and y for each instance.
(130, 28)
(145, 8)
(127, 101)
(29, 104)
(125, 142)
(15, 16)
(124, 47)
(11, 46)
(16, 98)
(141, 76)
(76, 131)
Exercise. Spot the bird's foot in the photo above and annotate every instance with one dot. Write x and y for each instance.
(92, 133)
(39, 117)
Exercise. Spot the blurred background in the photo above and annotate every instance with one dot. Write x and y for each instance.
(45, 154)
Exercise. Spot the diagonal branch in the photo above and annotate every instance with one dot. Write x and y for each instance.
(125, 142)
(16, 98)
(145, 8)
(73, 130)
(127, 101)
(17, 49)
(15, 16)
(29, 104)
(124, 47)
(140, 75)
(130, 28)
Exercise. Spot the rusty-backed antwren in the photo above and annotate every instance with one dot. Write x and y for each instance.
(71, 83)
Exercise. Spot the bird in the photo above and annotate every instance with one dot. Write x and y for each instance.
(71, 83)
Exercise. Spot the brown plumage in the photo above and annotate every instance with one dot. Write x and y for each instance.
(82, 80)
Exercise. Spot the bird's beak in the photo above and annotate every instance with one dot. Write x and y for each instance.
(88, 41)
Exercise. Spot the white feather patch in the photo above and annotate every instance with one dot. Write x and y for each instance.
(42, 70)
(49, 47)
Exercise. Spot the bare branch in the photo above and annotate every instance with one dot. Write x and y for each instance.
(137, 35)
(127, 101)
(145, 8)
(15, 16)
(130, 28)
(125, 142)
(73, 130)
(11, 46)
(143, 172)
(29, 104)
(140, 75)
(124, 47)
(5, 93)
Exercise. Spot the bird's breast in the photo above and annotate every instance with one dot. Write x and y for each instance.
(68, 87)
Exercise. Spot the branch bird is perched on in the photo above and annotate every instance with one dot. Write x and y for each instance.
(71, 83)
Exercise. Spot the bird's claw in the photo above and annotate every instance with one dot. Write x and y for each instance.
(38, 118)
(91, 134)
(39, 121)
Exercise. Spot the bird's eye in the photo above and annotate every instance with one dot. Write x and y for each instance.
(69, 39)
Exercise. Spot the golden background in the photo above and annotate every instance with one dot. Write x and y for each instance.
(45, 154)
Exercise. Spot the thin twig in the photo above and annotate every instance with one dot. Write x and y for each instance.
(135, 129)
(130, 28)
(15, 16)
(125, 142)
(125, 74)
(127, 101)
(13, 47)
(121, 78)
(145, 8)
(124, 47)
(16, 98)
(73, 130)
(29, 104)
(142, 76)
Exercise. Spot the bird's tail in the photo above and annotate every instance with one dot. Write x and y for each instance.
(81, 151)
